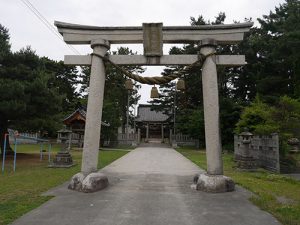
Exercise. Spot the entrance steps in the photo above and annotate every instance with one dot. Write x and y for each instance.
(154, 140)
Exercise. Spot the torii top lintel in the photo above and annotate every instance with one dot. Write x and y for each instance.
(222, 34)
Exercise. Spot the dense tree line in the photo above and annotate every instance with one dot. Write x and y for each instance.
(36, 93)
(272, 51)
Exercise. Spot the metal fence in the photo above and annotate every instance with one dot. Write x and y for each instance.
(24, 137)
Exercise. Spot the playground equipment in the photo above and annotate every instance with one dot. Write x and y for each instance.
(15, 135)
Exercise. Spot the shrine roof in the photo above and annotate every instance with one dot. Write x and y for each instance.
(79, 114)
(147, 114)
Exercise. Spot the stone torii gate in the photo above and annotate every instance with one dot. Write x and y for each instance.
(153, 36)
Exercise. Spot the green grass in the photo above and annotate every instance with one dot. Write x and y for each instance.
(269, 188)
(20, 191)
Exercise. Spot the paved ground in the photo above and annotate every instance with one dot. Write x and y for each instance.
(148, 186)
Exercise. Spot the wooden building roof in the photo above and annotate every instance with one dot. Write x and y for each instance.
(79, 115)
(147, 114)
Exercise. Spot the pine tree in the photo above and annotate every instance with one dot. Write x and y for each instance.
(29, 99)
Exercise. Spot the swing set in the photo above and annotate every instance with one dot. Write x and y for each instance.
(17, 136)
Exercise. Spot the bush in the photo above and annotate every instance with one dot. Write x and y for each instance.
(283, 118)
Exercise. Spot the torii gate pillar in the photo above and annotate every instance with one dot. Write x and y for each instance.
(211, 109)
(213, 180)
(88, 180)
(94, 108)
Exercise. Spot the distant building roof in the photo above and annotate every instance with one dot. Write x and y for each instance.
(79, 114)
(145, 113)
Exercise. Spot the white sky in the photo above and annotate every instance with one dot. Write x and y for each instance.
(25, 28)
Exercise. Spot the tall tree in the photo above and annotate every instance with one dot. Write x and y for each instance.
(66, 79)
(13, 87)
(273, 55)
(29, 101)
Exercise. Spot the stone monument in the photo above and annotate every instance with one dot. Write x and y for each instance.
(294, 143)
(63, 158)
(246, 161)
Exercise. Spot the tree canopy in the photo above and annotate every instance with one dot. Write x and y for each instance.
(37, 92)
(272, 53)
(34, 91)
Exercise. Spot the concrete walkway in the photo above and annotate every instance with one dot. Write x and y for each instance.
(148, 186)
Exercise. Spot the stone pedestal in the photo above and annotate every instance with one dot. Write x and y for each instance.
(88, 183)
(246, 163)
(213, 183)
(294, 143)
(63, 160)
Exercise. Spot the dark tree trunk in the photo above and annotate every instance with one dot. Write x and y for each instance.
(3, 131)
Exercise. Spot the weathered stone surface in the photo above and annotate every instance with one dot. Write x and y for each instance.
(214, 183)
(76, 182)
(211, 110)
(82, 34)
(94, 182)
(62, 160)
(196, 178)
(222, 60)
(260, 151)
(246, 163)
(94, 109)
(153, 39)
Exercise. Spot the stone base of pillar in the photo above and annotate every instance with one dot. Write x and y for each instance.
(213, 183)
(246, 163)
(90, 183)
(62, 160)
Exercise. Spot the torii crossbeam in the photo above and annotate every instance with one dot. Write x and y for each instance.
(153, 36)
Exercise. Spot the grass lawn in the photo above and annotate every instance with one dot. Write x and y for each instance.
(20, 191)
(277, 194)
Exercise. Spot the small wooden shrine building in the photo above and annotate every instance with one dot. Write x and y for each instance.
(154, 125)
(76, 123)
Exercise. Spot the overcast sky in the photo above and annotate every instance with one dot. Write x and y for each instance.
(25, 28)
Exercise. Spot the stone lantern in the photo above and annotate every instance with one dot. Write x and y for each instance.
(246, 136)
(63, 158)
(246, 161)
(294, 143)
